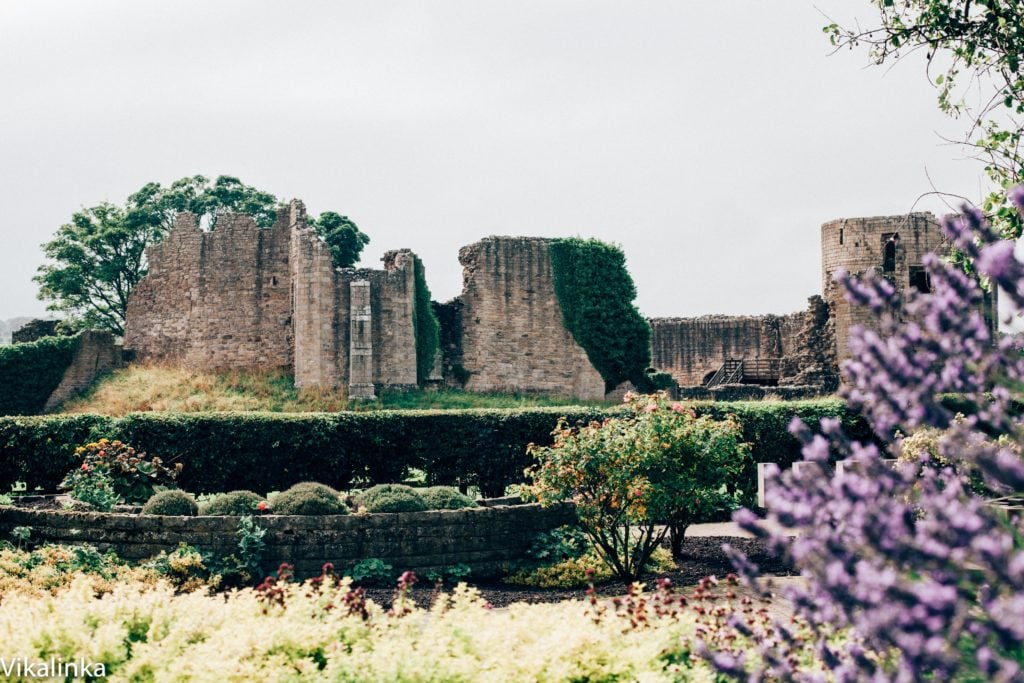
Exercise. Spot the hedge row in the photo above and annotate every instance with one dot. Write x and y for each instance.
(29, 372)
(265, 451)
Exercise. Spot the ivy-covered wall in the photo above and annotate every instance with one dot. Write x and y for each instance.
(426, 325)
(596, 293)
(30, 372)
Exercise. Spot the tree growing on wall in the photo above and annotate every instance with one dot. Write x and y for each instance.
(342, 236)
(97, 258)
(973, 51)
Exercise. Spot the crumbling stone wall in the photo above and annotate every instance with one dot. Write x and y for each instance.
(219, 299)
(692, 349)
(323, 315)
(96, 354)
(513, 331)
(245, 297)
(858, 245)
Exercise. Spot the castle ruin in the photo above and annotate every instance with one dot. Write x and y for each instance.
(246, 297)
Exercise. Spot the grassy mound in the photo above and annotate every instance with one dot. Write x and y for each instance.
(156, 388)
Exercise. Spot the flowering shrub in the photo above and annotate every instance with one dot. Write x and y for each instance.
(132, 474)
(929, 586)
(658, 465)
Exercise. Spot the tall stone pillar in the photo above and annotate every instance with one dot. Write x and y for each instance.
(360, 376)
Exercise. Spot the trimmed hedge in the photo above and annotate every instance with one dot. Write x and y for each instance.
(30, 372)
(267, 451)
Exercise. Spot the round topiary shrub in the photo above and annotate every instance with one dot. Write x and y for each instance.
(392, 498)
(233, 503)
(308, 498)
(446, 498)
(171, 502)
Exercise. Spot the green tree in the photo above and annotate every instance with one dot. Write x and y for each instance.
(95, 261)
(207, 200)
(973, 50)
(342, 236)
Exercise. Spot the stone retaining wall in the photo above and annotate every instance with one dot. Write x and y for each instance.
(484, 538)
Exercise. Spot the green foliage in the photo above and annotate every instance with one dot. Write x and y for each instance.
(250, 545)
(973, 52)
(21, 535)
(186, 567)
(308, 498)
(267, 451)
(96, 490)
(563, 543)
(391, 498)
(133, 475)
(171, 502)
(445, 498)
(450, 574)
(30, 372)
(627, 475)
(565, 558)
(342, 237)
(233, 504)
(596, 293)
(372, 571)
(425, 324)
(655, 381)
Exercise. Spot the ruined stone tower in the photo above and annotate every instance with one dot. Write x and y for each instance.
(892, 246)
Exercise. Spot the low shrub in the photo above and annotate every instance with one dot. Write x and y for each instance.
(171, 502)
(308, 498)
(391, 498)
(233, 504)
(445, 498)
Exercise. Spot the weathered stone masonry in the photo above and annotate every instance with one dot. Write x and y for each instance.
(245, 297)
(513, 331)
(486, 538)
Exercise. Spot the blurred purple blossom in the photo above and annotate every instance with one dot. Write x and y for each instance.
(923, 576)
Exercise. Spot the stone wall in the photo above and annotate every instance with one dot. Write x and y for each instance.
(323, 319)
(513, 331)
(692, 349)
(96, 354)
(219, 299)
(485, 538)
(246, 297)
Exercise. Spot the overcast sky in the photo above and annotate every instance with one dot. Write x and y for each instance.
(709, 139)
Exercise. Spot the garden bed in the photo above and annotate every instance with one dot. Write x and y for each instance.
(483, 539)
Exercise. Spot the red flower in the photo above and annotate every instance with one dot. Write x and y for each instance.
(262, 507)
(85, 467)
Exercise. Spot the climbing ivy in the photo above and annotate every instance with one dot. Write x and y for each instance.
(425, 324)
(30, 372)
(596, 293)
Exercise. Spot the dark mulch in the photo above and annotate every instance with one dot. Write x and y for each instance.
(702, 556)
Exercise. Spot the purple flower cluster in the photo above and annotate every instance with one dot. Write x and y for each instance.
(924, 578)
